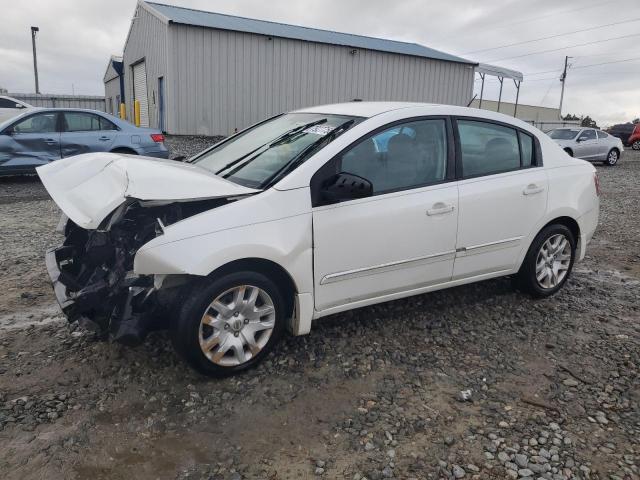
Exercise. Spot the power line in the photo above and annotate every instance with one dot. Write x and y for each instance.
(529, 20)
(567, 47)
(553, 36)
(606, 63)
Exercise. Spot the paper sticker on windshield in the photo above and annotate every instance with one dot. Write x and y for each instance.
(321, 130)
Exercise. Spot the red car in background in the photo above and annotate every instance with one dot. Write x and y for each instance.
(629, 133)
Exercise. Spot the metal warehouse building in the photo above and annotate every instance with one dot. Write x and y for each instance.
(197, 72)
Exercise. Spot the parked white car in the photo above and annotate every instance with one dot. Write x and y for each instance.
(589, 144)
(312, 213)
(12, 107)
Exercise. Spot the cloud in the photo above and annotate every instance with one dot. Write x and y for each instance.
(77, 37)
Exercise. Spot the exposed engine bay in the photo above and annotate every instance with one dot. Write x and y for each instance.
(92, 272)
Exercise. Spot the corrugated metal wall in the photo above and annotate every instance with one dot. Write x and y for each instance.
(112, 93)
(61, 101)
(223, 80)
(147, 41)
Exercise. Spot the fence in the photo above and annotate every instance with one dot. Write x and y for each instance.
(61, 101)
(546, 126)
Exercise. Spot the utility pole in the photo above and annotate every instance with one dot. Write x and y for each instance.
(563, 79)
(35, 30)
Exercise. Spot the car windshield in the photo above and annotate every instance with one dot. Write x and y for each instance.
(269, 151)
(563, 133)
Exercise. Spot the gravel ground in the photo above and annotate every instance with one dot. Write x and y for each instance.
(474, 382)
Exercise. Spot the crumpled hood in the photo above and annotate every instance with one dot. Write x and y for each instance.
(89, 187)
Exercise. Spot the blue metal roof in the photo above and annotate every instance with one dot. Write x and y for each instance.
(188, 16)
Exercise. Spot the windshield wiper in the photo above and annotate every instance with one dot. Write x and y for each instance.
(300, 157)
(262, 148)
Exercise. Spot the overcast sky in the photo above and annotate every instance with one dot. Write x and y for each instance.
(77, 36)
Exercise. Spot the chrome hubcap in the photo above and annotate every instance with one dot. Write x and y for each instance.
(613, 157)
(553, 260)
(237, 325)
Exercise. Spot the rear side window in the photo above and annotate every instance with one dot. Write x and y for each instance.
(601, 134)
(487, 148)
(526, 150)
(86, 122)
(6, 103)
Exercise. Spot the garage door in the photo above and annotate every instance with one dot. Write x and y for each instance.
(140, 92)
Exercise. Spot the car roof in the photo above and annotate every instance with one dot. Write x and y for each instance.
(359, 109)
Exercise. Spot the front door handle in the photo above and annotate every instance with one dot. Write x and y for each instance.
(50, 141)
(104, 138)
(440, 209)
(532, 189)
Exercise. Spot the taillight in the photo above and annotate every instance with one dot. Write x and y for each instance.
(596, 180)
(157, 137)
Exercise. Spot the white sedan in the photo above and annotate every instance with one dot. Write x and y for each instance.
(12, 107)
(312, 213)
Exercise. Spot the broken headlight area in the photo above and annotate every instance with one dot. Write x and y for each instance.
(92, 271)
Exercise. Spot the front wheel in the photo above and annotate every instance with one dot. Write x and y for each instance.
(636, 145)
(612, 157)
(549, 261)
(229, 324)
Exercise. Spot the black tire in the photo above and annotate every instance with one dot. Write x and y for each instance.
(612, 157)
(569, 152)
(126, 151)
(636, 145)
(186, 329)
(526, 278)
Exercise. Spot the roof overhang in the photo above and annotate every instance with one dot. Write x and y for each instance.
(495, 71)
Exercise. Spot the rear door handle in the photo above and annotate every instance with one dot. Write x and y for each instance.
(51, 141)
(440, 209)
(103, 138)
(532, 189)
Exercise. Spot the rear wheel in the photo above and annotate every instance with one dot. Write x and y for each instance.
(229, 324)
(549, 261)
(126, 151)
(612, 157)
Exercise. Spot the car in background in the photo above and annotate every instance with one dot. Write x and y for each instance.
(589, 144)
(311, 213)
(11, 107)
(44, 135)
(624, 131)
(634, 138)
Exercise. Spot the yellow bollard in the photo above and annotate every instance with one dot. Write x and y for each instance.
(123, 111)
(136, 112)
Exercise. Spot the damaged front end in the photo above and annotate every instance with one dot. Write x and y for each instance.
(92, 271)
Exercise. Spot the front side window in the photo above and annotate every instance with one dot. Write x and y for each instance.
(85, 122)
(487, 148)
(40, 123)
(401, 157)
(563, 133)
(267, 152)
(588, 135)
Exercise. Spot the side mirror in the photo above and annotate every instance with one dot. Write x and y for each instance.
(581, 139)
(179, 158)
(345, 186)
(8, 131)
(19, 105)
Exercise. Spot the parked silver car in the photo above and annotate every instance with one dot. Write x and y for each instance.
(43, 135)
(589, 144)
